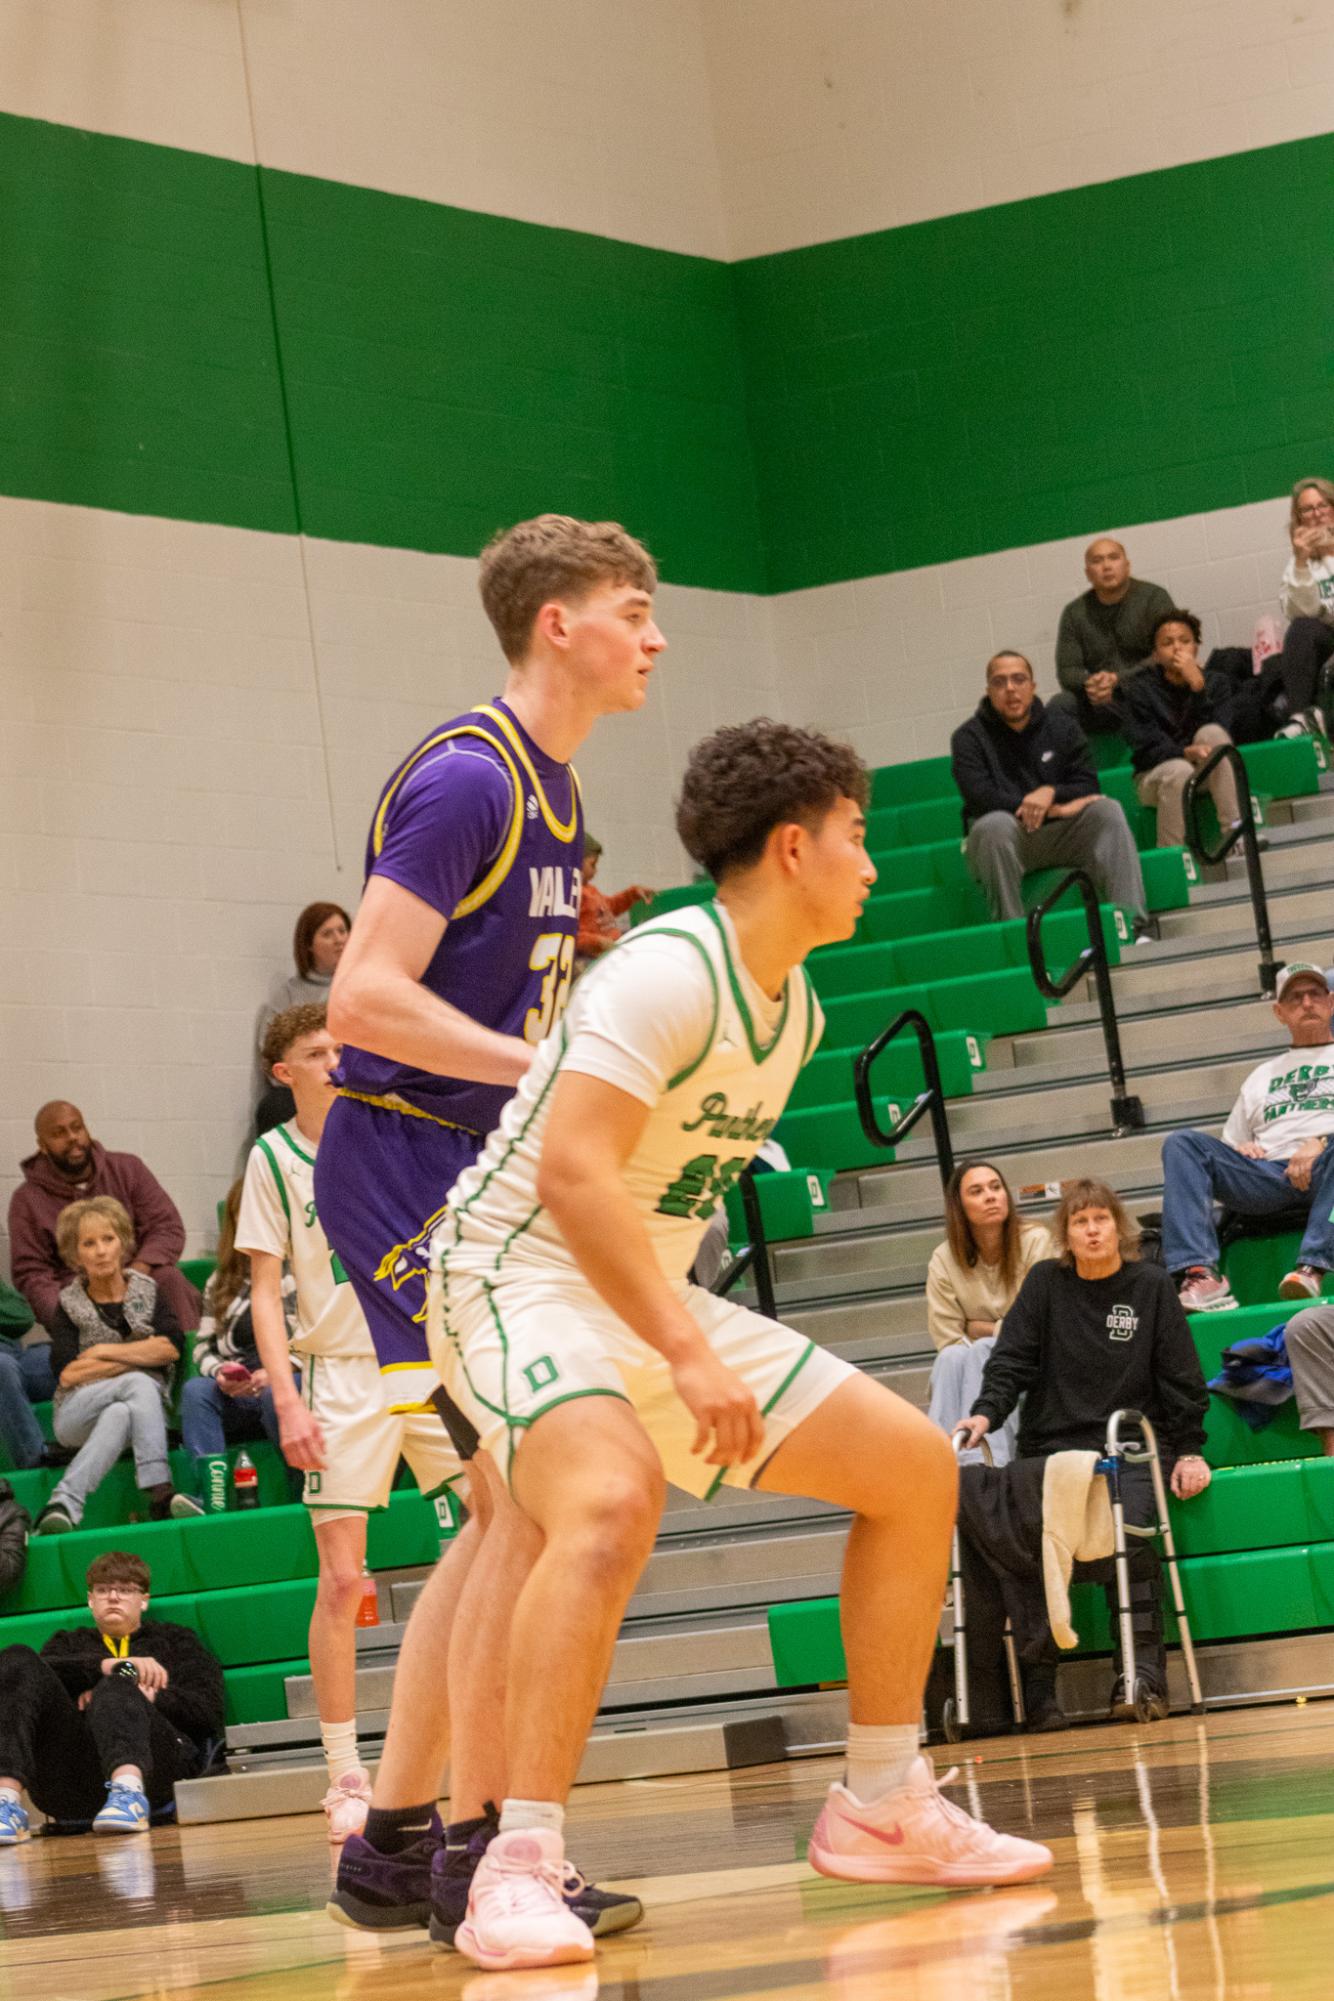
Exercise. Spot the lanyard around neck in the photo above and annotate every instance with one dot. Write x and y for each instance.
(118, 1649)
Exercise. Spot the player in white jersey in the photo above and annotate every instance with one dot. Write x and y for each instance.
(564, 1325)
(333, 1424)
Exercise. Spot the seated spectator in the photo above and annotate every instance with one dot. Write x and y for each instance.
(971, 1283)
(230, 1401)
(1031, 799)
(15, 1528)
(1306, 598)
(1274, 1155)
(25, 1379)
(598, 914)
(1104, 637)
(69, 1166)
(1174, 716)
(321, 932)
(114, 1345)
(1092, 1331)
(1309, 1339)
(102, 1723)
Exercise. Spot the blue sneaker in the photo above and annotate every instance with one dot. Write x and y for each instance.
(126, 1811)
(13, 1823)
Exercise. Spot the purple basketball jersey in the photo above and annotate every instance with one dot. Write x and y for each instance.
(488, 830)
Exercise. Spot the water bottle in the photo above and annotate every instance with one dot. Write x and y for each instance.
(368, 1611)
(245, 1481)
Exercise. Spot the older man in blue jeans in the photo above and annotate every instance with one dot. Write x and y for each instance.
(1275, 1154)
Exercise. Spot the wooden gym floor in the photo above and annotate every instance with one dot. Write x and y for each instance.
(1193, 1859)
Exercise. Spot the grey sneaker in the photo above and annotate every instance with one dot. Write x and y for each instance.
(1203, 1291)
(183, 1507)
(54, 1520)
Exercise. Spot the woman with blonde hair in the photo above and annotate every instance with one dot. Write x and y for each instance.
(1306, 599)
(971, 1283)
(115, 1343)
(1093, 1330)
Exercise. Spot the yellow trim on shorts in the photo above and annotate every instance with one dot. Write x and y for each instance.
(391, 1102)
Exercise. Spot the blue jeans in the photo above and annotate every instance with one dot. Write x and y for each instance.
(211, 1420)
(25, 1379)
(1199, 1171)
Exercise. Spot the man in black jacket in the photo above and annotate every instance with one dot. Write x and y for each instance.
(1174, 716)
(1031, 798)
(107, 1717)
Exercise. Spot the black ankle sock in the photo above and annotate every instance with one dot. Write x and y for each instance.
(460, 1832)
(391, 1829)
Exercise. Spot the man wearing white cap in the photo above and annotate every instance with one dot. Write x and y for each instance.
(1275, 1154)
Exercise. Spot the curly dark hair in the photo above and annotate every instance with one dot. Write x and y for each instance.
(1186, 618)
(306, 1018)
(745, 780)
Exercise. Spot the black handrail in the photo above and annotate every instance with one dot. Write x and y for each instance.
(932, 1099)
(753, 1256)
(1127, 1111)
(1244, 831)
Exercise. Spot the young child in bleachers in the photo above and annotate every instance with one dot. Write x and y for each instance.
(600, 915)
(115, 1343)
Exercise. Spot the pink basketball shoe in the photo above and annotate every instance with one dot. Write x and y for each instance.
(346, 1805)
(517, 1913)
(914, 1835)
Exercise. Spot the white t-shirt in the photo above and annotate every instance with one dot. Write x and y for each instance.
(277, 1215)
(673, 1018)
(1307, 590)
(1284, 1101)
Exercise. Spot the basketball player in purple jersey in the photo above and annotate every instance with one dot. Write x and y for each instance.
(459, 964)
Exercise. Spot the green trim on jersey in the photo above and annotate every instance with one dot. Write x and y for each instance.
(570, 1396)
(809, 1043)
(759, 1051)
(267, 1151)
(785, 1385)
(286, 1137)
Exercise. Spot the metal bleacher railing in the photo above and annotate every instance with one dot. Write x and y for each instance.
(931, 1100)
(1244, 831)
(1127, 1110)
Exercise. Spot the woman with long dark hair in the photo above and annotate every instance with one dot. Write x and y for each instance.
(971, 1282)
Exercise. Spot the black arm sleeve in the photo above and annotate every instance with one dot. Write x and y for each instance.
(981, 787)
(193, 1697)
(166, 1324)
(1142, 726)
(1078, 779)
(64, 1342)
(1179, 1388)
(1017, 1356)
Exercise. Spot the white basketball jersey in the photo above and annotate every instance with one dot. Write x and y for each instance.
(672, 1017)
(277, 1215)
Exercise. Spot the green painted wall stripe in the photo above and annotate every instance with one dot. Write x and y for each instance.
(1132, 351)
(197, 338)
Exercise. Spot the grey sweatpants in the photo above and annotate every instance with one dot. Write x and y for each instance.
(102, 1419)
(1310, 1343)
(1001, 853)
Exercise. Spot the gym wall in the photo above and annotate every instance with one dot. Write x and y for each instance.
(303, 302)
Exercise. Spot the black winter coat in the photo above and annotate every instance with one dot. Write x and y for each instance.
(1159, 717)
(14, 1529)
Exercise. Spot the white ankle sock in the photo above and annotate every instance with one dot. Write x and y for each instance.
(879, 1758)
(128, 1775)
(516, 1814)
(10, 1794)
(340, 1749)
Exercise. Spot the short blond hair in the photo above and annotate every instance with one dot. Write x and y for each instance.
(554, 556)
(1324, 487)
(69, 1221)
(1089, 1194)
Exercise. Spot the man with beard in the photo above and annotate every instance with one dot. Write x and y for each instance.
(68, 1166)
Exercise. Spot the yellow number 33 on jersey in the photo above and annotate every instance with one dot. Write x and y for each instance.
(553, 957)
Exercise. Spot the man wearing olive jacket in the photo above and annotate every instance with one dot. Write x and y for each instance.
(101, 1724)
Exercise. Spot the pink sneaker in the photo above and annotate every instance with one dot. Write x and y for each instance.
(1203, 1291)
(517, 1913)
(347, 1803)
(914, 1835)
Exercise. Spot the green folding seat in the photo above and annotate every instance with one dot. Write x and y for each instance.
(1285, 767)
(259, 1622)
(1245, 1507)
(199, 1270)
(1318, 1482)
(908, 784)
(668, 900)
(806, 1643)
(250, 1546)
(830, 1137)
(1244, 1595)
(789, 1204)
(258, 1694)
(827, 1079)
(1322, 1583)
(1256, 1266)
